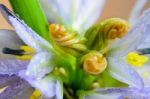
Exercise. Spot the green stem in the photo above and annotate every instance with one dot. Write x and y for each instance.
(67, 95)
(31, 12)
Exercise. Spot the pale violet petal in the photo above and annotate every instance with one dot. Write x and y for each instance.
(144, 72)
(40, 65)
(46, 85)
(6, 80)
(126, 93)
(146, 41)
(59, 90)
(76, 14)
(9, 39)
(12, 66)
(108, 93)
(24, 32)
(17, 90)
(136, 11)
(134, 38)
(124, 73)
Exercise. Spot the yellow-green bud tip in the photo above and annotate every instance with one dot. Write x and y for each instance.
(116, 28)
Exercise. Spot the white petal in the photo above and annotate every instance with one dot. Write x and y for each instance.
(40, 65)
(28, 35)
(58, 11)
(9, 39)
(101, 96)
(135, 37)
(124, 73)
(59, 90)
(76, 14)
(87, 15)
(46, 85)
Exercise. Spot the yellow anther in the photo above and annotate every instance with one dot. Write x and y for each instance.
(36, 94)
(29, 52)
(94, 63)
(24, 57)
(27, 49)
(145, 74)
(135, 59)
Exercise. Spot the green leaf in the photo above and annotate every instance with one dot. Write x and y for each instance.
(31, 12)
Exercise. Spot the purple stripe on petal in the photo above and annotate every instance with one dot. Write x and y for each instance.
(19, 90)
(6, 80)
(12, 66)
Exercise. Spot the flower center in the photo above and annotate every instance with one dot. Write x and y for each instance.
(135, 59)
(95, 63)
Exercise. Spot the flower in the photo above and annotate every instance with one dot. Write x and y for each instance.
(125, 57)
(37, 67)
(10, 67)
(76, 53)
(36, 74)
(129, 52)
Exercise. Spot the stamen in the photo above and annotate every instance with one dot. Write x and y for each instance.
(36, 94)
(144, 51)
(24, 53)
(135, 59)
(13, 51)
(29, 52)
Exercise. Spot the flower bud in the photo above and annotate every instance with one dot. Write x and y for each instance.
(117, 28)
(69, 41)
(94, 63)
(100, 35)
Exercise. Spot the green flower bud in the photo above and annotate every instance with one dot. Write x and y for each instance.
(100, 35)
(68, 41)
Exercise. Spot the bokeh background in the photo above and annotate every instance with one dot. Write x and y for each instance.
(113, 8)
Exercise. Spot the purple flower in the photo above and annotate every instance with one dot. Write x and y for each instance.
(35, 70)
